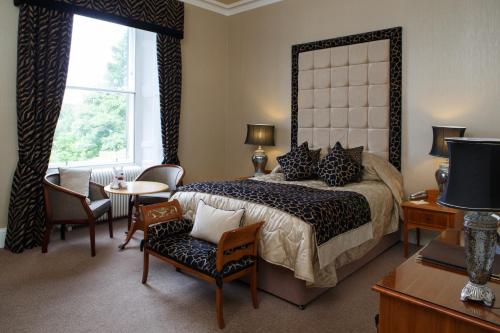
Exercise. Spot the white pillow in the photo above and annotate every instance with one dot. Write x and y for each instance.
(210, 223)
(76, 180)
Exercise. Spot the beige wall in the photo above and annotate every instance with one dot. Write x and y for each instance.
(8, 118)
(451, 69)
(203, 100)
(204, 94)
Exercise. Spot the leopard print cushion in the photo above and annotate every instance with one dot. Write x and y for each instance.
(337, 168)
(159, 231)
(298, 163)
(356, 154)
(197, 254)
(315, 154)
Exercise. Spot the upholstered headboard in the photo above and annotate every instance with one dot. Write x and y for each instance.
(348, 89)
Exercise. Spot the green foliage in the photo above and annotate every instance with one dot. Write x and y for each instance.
(98, 124)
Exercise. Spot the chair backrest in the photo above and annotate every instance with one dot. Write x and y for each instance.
(169, 174)
(160, 212)
(53, 179)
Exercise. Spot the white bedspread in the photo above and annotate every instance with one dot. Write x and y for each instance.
(290, 242)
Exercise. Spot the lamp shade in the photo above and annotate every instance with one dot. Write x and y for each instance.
(439, 146)
(474, 176)
(260, 135)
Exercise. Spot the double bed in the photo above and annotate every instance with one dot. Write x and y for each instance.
(345, 90)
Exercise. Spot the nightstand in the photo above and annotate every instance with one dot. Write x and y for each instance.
(430, 216)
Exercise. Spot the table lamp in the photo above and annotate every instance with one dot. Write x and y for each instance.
(260, 135)
(440, 149)
(474, 186)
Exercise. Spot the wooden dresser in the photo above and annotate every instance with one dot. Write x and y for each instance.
(417, 298)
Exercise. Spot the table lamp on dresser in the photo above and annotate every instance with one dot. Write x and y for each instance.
(474, 186)
(440, 149)
(260, 135)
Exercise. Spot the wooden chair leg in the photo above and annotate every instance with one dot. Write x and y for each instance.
(130, 211)
(145, 268)
(218, 305)
(92, 237)
(46, 237)
(110, 221)
(63, 232)
(253, 287)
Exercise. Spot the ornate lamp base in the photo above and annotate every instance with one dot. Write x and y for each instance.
(478, 293)
(259, 160)
(480, 242)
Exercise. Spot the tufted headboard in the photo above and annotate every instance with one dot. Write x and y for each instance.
(348, 89)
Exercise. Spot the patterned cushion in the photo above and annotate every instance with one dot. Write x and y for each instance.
(297, 164)
(196, 253)
(315, 154)
(356, 154)
(337, 168)
(160, 231)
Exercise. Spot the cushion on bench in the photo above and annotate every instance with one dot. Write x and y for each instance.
(162, 230)
(195, 253)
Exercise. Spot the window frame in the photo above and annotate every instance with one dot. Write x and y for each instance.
(131, 111)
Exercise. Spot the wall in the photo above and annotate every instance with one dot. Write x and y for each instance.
(451, 70)
(8, 118)
(203, 100)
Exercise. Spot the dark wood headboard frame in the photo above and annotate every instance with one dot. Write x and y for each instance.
(395, 37)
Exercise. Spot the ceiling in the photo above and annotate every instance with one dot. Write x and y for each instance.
(230, 7)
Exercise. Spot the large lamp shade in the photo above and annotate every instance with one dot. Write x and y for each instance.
(260, 135)
(439, 133)
(474, 175)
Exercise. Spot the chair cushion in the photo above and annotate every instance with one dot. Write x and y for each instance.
(196, 253)
(149, 199)
(76, 180)
(100, 207)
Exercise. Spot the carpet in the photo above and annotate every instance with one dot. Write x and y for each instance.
(66, 290)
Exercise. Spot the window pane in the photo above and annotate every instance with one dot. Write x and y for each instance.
(93, 127)
(100, 56)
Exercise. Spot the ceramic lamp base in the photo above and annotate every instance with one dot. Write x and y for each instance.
(259, 160)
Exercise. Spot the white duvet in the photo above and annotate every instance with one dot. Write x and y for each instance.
(290, 242)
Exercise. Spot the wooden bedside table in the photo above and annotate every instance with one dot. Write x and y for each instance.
(266, 172)
(429, 216)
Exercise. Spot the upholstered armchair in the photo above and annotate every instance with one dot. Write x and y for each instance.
(64, 206)
(169, 174)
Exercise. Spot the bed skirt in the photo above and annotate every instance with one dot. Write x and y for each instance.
(280, 281)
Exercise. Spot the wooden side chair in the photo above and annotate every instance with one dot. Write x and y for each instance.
(167, 237)
(169, 174)
(64, 206)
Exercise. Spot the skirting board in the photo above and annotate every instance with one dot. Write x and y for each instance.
(3, 233)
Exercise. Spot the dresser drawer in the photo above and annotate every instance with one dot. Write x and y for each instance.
(427, 218)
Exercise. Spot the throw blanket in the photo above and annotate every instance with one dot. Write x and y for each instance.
(331, 213)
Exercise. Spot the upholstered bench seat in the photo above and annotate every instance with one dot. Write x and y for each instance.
(195, 253)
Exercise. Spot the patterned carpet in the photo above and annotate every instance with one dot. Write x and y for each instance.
(66, 290)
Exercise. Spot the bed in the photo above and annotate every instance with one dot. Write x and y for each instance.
(345, 90)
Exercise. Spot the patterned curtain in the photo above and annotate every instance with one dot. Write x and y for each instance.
(44, 40)
(170, 81)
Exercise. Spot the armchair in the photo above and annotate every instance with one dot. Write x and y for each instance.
(64, 206)
(169, 174)
(166, 236)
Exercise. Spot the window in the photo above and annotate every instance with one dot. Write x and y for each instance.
(96, 124)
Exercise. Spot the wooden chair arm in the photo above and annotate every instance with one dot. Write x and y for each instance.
(236, 244)
(63, 190)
